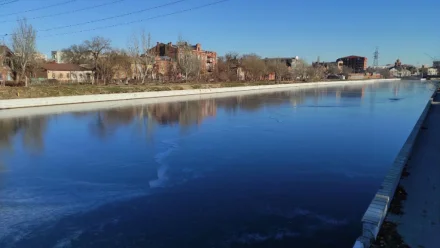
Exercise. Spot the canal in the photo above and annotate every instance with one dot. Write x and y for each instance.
(293, 168)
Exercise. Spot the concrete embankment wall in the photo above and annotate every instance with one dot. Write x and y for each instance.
(47, 101)
(378, 209)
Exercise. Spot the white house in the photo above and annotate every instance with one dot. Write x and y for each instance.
(432, 71)
(400, 72)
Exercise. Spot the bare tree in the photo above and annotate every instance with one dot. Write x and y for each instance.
(107, 65)
(97, 46)
(346, 71)
(385, 73)
(333, 69)
(23, 44)
(134, 52)
(123, 65)
(279, 67)
(228, 66)
(254, 66)
(144, 57)
(222, 70)
(315, 73)
(147, 57)
(77, 54)
(299, 70)
(187, 61)
(172, 71)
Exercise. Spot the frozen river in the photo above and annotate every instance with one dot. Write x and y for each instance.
(291, 168)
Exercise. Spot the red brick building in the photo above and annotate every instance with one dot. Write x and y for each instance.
(5, 69)
(208, 59)
(357, 63)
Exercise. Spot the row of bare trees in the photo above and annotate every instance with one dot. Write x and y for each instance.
(254, 68)
(138, 61)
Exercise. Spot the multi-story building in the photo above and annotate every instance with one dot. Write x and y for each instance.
(208, 59)
(57, 56)
(357, 63)
(327, 65)
(5, 63)
(436, 64)
(290, 62)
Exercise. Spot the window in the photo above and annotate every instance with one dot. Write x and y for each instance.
(53, 75)
(68, 75)
(61, 75)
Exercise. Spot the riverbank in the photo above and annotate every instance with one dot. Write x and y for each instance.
(92, 96)
(57, 90)
(398, 215)
(418, 221)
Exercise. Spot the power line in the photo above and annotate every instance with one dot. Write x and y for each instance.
(13, 1)
(111, 17)
(39, 8)
(141, 20)
(68, 12)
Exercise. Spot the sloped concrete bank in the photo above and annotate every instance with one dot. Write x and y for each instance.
(48, 101)
(378, 209)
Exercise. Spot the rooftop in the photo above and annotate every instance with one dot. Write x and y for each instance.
(352, 57)
(5, 48)
(62, 67)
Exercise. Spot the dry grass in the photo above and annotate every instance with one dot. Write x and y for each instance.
(37, 91)
(389, 237)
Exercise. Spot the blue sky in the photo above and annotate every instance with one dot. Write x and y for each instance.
(329, 29)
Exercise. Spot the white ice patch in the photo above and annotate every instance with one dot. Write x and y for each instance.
(25, 208)
(160, 159)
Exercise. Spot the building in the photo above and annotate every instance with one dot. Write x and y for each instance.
(357, 63)
(66, 72)
(436, 64)
(388, 66)
(5, 63)
(400, 72)
(208, 59)
(164, 67)
(57, 57)
(290, 62)
(432, 71)
(327, 65)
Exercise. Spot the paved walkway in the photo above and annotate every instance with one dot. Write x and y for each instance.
(419, 226)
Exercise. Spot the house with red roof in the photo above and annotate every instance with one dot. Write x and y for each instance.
(66, 72)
